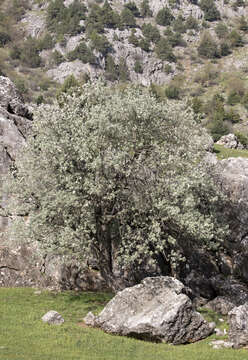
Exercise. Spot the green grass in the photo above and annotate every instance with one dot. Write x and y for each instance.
(23, 336)
(224, 153)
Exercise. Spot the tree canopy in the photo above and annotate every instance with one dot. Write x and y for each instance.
(110, 172)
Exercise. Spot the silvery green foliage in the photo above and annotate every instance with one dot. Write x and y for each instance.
(116, 169)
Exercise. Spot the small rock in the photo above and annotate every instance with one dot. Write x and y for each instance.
(53, 317)
(219, 332)
(89, 319)
(220, 344)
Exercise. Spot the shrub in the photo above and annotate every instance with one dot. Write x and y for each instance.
(179, 25)
(127, 18)
(111, 69)
(83, 53)
(30, 53)
(133, 39)
(208, 47)
(100, 43)
(96, 177)
(233, 98)
(46, 42)
(235, 39)
(138, 68)
(57, 57)
(191, 23)
(242, 138)
(211, 13)
(145, 10)
(164, 17)
(68, 85)
(144, 44)
(172, 92)
(133, 8)
(221, 30)
(164, 50)
(4, 38)
(150, 32)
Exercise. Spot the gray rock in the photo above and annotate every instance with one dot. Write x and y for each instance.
(90, 319)
(53, 318)
(221, 304)
(220, 344)
(230, 141)
(219, 332)
(238, 326)
(158, 310)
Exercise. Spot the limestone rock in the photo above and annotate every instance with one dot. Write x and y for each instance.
(158, 310)
(90, 319)
(230, 141)
(221, 304)
(220, 344)
(232, 175)
(53, 318)
(238, 326)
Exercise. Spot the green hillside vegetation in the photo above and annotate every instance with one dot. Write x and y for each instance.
(25, 336)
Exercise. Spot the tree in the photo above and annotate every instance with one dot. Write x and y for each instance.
(116, 169)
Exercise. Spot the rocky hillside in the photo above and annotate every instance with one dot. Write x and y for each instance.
(180, 48)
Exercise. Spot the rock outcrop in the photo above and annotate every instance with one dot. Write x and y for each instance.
(158, 309)
(15, 122)
(230, 141)
(238, 326)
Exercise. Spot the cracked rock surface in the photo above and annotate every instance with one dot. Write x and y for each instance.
(158, 309)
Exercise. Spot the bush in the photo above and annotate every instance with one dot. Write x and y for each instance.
(150, 32)
(144, 44)
(242, 138)
(233, 98)
(133, 39)
(211, 13)
(83, 53)
(133, 8)
(30, 53)
(172, 92)
(235, 39)
(208, 47)
(179, 25)
(145, 10)
(4, 38)
(164, 17)
(192, 23)
(57, 57)
(138, 68)
(164, 50)
(89, 182)
(65, 20)
(127, 18)
(111, 69)
(100, 43)
(221, 30)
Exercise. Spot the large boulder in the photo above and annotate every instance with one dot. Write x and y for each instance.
(238, 326)
(158, 309)
(232, 174)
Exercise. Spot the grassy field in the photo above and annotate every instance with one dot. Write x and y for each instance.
(23, 336)
(224, 153)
